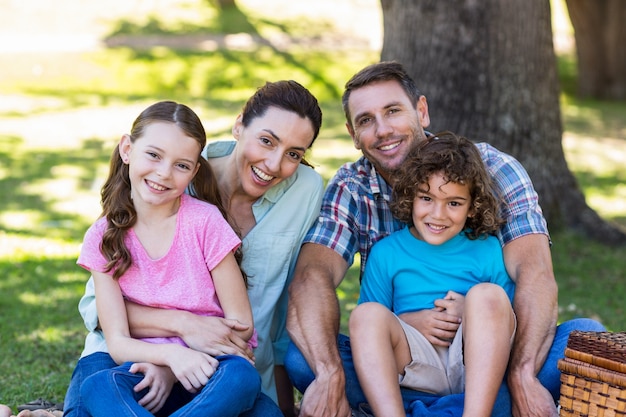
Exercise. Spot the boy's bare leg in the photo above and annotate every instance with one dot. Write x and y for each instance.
(488, 324)
(380, 352)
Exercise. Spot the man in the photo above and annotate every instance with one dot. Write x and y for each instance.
(386, 116)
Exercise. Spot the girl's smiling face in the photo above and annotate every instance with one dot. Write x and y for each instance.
(440, 209)
(162, 162)
(270, 149)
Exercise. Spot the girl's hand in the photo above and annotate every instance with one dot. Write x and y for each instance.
(158, 379)
(191, 368)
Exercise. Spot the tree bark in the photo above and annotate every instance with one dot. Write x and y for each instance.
(489, 72)
(600, 35)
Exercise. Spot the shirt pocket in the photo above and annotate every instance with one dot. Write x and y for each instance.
(267, 257)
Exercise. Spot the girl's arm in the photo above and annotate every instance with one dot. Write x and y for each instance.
(193, 369)
(231, 292)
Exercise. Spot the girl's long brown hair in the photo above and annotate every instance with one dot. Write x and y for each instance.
(117, 204)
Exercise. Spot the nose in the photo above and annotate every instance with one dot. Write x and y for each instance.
(164, 170)
(438, 211)
(273, 161)
(383, 127)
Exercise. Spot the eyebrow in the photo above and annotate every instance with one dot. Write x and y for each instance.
(275, 136)
(422, 191)
(386, 106)
(156, 148)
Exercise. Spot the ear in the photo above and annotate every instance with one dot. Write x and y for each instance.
(125, 147)
(238, 127)
(195, 171)
(472, 211)
(350, 128)
(422, 112)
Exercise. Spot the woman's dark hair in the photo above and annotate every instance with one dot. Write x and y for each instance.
(117, 204)
(286, 95)
(460, 162)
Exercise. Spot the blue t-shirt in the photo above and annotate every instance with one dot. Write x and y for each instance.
(407, 274)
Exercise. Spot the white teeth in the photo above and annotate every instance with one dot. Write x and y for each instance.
(156, 186)
(262, 174)
(432, 226)
(388, 147)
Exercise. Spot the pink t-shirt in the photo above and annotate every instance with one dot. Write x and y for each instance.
(181, 279)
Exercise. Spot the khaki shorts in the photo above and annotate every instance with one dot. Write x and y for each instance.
(435, 369)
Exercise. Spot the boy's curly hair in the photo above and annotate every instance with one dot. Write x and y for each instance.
(460, 162)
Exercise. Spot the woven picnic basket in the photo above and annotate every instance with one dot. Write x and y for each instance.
(593, 375)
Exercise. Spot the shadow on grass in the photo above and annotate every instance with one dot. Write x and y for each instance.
(35, 181)
(253, 54)
(41, 327)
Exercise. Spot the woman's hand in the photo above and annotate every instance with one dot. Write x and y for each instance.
(159, 381)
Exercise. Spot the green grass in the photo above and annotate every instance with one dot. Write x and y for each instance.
(53, 161)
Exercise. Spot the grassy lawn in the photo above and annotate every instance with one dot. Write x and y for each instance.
(61, 114)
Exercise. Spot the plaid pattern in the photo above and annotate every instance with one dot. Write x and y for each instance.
(355, 211)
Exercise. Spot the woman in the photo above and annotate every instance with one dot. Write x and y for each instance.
(272, 197)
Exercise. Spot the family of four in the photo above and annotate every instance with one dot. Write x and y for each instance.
(215, 268)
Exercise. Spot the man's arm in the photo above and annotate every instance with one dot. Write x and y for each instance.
(529, 263)
(313, 324)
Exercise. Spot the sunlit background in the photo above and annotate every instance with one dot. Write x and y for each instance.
(74, 74)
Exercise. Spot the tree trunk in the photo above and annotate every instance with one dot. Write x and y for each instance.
(488, 69)
(600, 36)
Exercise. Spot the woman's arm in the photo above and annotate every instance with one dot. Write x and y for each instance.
(231, 292)
(212, 335)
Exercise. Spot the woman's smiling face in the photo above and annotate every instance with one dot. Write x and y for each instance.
(270, 149)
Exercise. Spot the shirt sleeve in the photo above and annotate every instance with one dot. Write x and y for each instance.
(337, 225)
(87, 306)
(90, 257)
(218, 238)
(520, 206)
(376, 284)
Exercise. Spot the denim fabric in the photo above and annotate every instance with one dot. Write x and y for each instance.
(429, 405)
(75, 404)
(86, 366)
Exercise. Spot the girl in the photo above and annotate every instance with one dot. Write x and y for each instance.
(155, 245)
(272, 198)
(444, 259)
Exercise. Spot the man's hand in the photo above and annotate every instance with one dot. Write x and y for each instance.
(325, 397)
(159, 380)
(532, 399)
(440, 324)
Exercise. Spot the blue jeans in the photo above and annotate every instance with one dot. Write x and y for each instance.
(423, 404)
(73, 405)
(76, 405)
